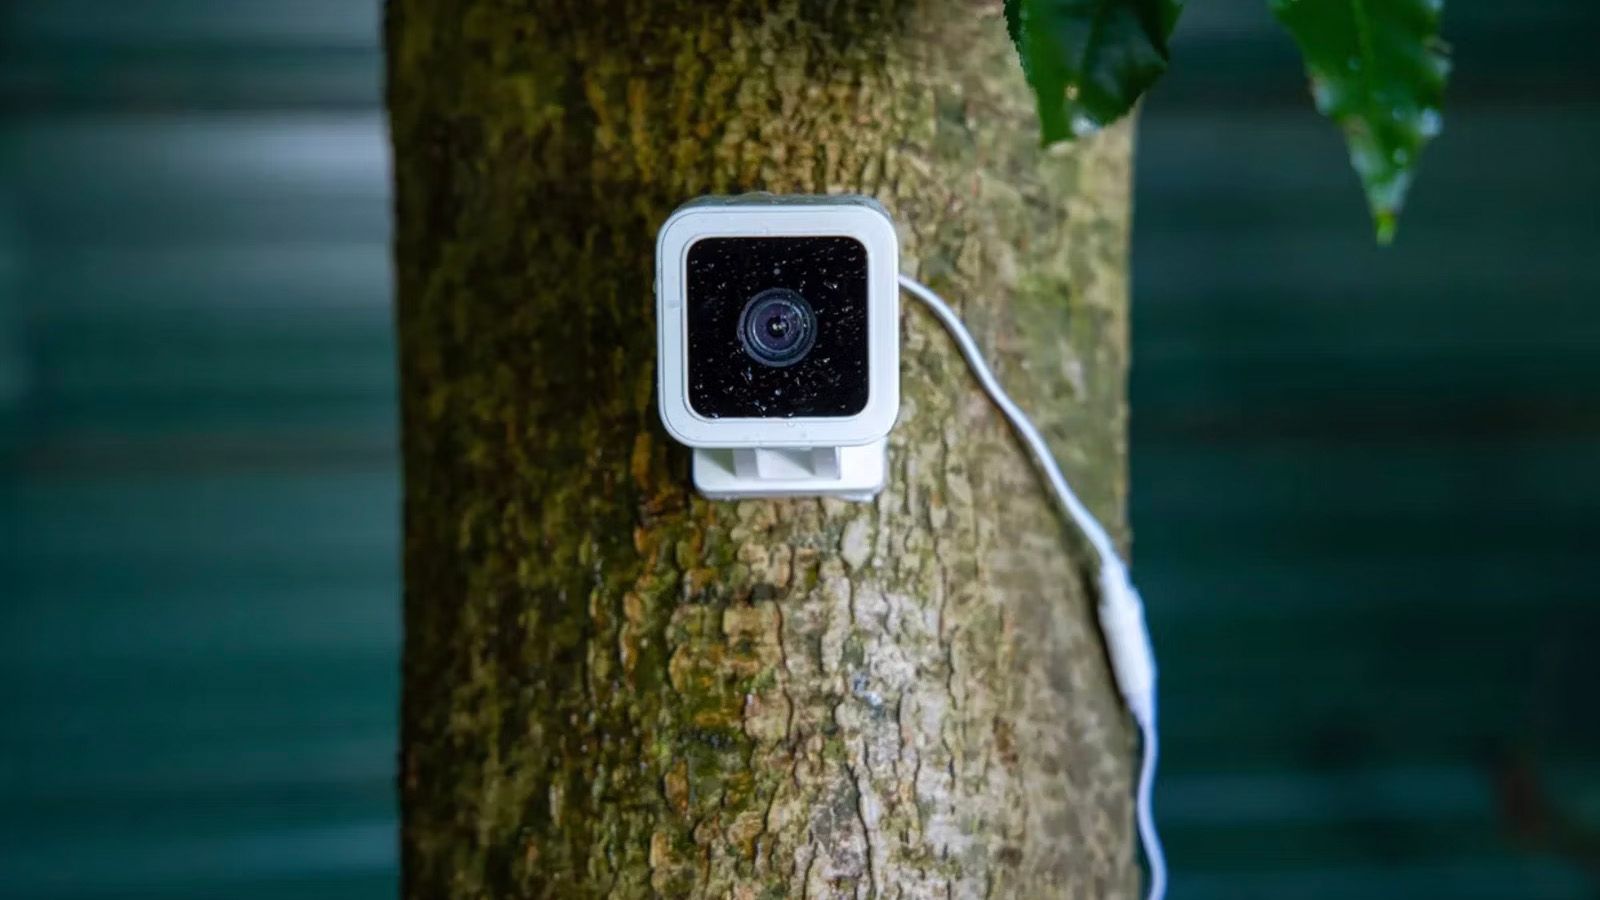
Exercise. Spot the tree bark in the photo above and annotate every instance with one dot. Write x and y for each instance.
(614, 688)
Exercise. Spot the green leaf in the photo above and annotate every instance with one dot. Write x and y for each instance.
(1089, 61)
(1378, 69)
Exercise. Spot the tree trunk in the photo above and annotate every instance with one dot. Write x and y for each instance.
(614, 688)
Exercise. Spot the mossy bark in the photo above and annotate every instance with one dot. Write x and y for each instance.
(614, 688)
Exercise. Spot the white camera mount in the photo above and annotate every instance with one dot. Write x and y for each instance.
(849, 473)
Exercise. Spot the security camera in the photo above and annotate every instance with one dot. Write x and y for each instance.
(778, 342)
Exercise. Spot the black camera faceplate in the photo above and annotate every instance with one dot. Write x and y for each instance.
(724, 274)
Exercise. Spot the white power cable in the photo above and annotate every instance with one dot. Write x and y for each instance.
(1121, 612)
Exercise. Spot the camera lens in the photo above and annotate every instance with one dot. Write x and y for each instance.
(777, 327)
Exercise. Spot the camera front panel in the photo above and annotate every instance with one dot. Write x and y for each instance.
(777, 327)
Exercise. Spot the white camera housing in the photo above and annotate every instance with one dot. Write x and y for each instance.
(778, 342)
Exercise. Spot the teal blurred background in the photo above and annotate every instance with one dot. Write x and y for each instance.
(1364, 481)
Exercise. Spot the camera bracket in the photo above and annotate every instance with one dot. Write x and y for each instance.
(849, 473)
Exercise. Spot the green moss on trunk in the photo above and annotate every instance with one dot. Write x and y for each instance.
(616, 689)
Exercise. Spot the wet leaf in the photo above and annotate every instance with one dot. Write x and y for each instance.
(1089, 61)
(1378, 69)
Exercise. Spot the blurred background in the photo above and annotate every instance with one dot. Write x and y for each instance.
(1364, 481)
